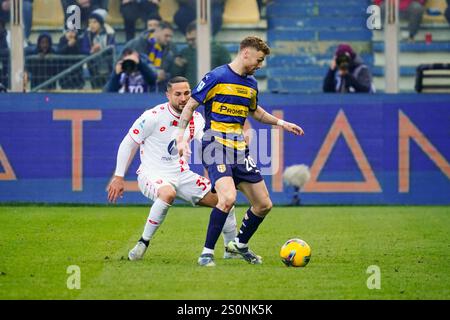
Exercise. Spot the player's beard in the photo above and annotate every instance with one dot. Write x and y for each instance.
(177, 107)
(251, 71)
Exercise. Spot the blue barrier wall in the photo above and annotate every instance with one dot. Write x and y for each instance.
(364, 149)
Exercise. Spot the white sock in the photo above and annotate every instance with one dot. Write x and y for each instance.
(156, 217)
(229, 228)
(207, 250)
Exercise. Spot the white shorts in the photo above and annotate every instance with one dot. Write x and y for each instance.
(190, 186)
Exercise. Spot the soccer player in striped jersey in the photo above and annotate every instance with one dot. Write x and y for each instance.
(230, 94)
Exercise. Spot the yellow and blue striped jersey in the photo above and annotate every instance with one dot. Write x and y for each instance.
(228, 97)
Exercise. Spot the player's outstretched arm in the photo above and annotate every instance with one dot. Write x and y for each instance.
(185, 117)
(263, 116)
(125, 155)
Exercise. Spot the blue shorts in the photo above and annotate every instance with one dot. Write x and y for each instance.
(247, 171)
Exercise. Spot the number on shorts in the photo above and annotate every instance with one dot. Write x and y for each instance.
(201, 184)
(250, 164)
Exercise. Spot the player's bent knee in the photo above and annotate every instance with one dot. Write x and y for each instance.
(226, 203)
(167, 194)
(263, 208)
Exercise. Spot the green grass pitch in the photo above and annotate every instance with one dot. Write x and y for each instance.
(410, 245)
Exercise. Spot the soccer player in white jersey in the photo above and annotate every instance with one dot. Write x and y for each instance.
(163, 175)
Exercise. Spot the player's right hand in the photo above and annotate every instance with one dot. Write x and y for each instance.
(187, 152)
(181, 144)
(182, 148)
(115, 189)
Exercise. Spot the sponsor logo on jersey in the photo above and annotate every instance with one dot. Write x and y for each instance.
(232, 111)
(221, 168)
(172, 147)
(136, 131)
(200, 86)
(242, 90)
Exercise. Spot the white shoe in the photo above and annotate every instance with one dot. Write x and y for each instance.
(206, 260)
(227, 254)
(246, 253)
(137, 253)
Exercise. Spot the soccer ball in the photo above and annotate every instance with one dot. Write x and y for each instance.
(295, 253)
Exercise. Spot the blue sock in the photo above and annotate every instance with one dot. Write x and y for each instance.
(216, 223)
(250, 224)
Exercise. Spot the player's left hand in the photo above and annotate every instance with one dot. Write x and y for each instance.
(292, 127)
(115, 189)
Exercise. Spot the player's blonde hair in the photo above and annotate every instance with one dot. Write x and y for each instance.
(256, 43)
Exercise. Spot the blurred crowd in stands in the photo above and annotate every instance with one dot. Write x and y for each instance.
(150, 58)
(146, 61)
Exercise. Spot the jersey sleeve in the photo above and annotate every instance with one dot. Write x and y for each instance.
(204, 91)
(254, 100)
(143, 127)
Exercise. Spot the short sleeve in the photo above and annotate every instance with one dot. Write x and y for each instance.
(143, 126)
(204, 91)
(254, 100)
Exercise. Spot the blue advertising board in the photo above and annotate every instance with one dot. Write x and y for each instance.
(360, 149)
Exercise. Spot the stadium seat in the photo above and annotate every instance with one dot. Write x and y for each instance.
(167, 9)
(441, 5)
(48, 13)
(238, 11)
(428, 76)
(114, 16)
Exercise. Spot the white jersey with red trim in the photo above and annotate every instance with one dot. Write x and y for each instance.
(156, 131)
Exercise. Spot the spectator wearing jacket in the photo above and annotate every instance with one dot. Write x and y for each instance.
(41, 65)
(348, 73)
(95, 39)
(131, 75)
(70, 44)
(158, 48)
(133, 10)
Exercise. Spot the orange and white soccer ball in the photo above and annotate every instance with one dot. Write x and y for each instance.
(295, 253)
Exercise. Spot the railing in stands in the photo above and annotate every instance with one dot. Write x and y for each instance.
(46, 73)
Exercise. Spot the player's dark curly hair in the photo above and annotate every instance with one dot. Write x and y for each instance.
(174, 80)
(256, 43)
